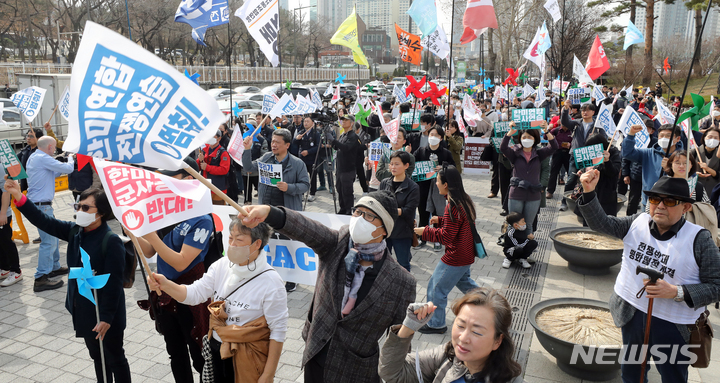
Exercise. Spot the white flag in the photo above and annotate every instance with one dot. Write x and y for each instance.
(527, 91)
(597, 94)
(64, 104)
(580, 72)
(328, 90)
(605, 119)
(336, 96)
(145, 201)
(629, 118)
(269, 101)
(437, 43)
(285, 106)
(532, 53)
(262, 20)
(128, 105)
(390, 128)
(665, 116)
(29, 101)
(236, 146)
(553, 8)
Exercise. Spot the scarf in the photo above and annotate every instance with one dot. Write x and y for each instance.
(355, 273)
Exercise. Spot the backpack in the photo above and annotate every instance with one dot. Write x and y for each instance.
(215, 248)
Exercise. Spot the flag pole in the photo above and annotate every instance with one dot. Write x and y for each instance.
(214, 188)
(229, 64)
(450, 64)
(141, 255)
(52, 114)
(102, 351)
(279, 48)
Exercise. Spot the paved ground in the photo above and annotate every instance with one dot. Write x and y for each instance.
(37, 342)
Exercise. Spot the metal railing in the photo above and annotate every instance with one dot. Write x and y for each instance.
(208, 74)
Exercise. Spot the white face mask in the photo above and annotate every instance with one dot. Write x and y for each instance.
(527, 142)
(711, 142)
(504, 116)
(522, 228)
(212, 141)
(84, 219)
(663, 142)
(432, 140)
(423, 128)
(715, 113)
(361, 230)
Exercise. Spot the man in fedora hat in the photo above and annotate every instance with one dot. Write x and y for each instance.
(661, 240)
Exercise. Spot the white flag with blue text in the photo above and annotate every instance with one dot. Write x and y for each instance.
(632, 36)
(605, 119)
(201, 15)
(29, 101)
(597, 94)
(64, 104)
(262, 20)
(629, 118)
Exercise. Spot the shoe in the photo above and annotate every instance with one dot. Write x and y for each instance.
(432, 330)
(43, 283)
(331, 191)
(563, 206)
(37, 240)
(421, 244)
(365, 194)
(548, 195)
(506, 263)
(290, 286)
(321, 188)
(524, 263)
(531, 260)
(11, 279)
(4, 273)
(255, 194)
(504, 212)
(561, 182)
(311, 198)
(437, 247)
(61, 271)
(492, 195)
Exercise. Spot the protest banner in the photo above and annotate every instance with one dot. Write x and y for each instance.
(270, 174)
(424, 170)
(528, 118)
(437, 43)
(575, 95)
(293, 260)
(236, 146)
(409, 123)
(29, 101)
(262, 20)
(527, 91)
(496, 142)
(665, 116)
(316, 98)
(501, 128)
(127, 104)
(391, 128)
(285, 106)
(269, 101)
(64, 105)
(474, 147)
(588, 156)
(10, 162)
(409, 46)
(556, 86)
(605, 119)
(629, 118)
(597, 94)
(553, 9)
(375, 151)
(145, 201)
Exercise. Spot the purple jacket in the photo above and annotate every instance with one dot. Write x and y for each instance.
(526, 170)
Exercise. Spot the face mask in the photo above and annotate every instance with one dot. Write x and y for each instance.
(527, 142)
(212, 141)
(715, 113)
(84, 219)
(242, 254)
(361, 230)
(522, 228)
(422, 128)
(504, 116)
(238, 255)
(712, 143)
(433, 140)
(664, 142)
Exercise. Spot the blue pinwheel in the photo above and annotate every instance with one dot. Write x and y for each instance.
(85, 278)
(340, 79)
(194, 78)
(237, 109)
(488, 83)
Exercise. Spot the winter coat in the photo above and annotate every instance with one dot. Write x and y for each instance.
(606, 188)
(528, 171)
(407, 196)
(294, 173)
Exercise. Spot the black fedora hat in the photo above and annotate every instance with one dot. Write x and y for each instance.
(671, 187)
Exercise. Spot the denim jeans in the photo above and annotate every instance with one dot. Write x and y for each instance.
(443, 279)
(528, 209)
(401, 246)
(49, 253)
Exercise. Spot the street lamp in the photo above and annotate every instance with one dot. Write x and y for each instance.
(295, 38)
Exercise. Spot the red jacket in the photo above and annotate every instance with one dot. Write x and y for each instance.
(218, 166)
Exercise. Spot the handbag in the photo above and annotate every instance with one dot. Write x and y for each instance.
(479, 247)
(701, 335)
(415, 239)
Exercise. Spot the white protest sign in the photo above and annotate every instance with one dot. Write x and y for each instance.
(316, 98)
(64, 104)
(293, 260)
(391, 128)
(145, 201)
(375, 151)
(128, 105)
(437, 43)
(597, 94)
(29, 101)
(270, 174)
(629, 118)
(262, 20)
(235, 146)
(285, 106)
(269, 101)
(553, 9)
(665, 116)
(605, 120)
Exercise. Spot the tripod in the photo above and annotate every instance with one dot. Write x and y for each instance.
(328, 159)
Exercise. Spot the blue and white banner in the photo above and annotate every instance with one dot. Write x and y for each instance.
(597, 94)
(29, 101)
(269, 101)
(632, 36)
(605, 119)
(399, 93)
(316, 98)
(262, 20)
(424, 14)
(665, 116)
(128, 105)
(64, 104)
(286, 106)
(629, 118)
(201, 15)
(328, 90)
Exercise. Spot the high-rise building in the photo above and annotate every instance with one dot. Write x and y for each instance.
(331, 10)
(675, 23)
(284, 4)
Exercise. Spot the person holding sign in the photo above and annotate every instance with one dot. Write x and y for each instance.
(609, 169)
(525, 187)
(107, 256)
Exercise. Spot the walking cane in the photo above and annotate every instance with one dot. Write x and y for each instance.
(654, 276)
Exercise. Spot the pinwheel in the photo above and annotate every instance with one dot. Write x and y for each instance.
(488, 83)
(237, 109)
(193, 78)
(523, 77)
(415, 86)
(288, 84)
(85, 278)
(698, 111)
(369, 88)
(362, 115)
(666, 65)
(513, 75)
(339, 79)
(434, 93)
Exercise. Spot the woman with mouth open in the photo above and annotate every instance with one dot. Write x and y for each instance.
(481, 349)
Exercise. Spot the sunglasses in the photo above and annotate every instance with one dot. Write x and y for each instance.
(85, 208)
(667, 201)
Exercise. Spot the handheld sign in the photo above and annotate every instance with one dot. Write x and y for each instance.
(629, 118)
(496, 142)
(501, 129)
(64, 104)
(29, 101)
(528, 118)
(236, 146)
(588, 156)
(575, 95)
(424, 170)
(375, 151)
(270, 174)
(10, 162)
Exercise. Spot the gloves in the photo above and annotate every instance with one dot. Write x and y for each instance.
(411, 320)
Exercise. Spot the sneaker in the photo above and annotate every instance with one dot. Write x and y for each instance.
(11, 279)
(290, 286)
(4, 273)
(365, 194)
(311, 198)
(437, 247)
(563, 206)
(501, 240)
(504, 212)
(421, 244)
(321, 188)
(524, 263)
(43, 283)
(506, 263)
(37, 240)
(492, 195)
(548, 195)
(61, 271)
(432, 330)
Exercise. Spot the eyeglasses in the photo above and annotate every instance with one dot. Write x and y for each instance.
(667, 201)
(82, 206)
(370, 217)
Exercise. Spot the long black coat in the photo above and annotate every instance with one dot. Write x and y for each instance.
(407, 196)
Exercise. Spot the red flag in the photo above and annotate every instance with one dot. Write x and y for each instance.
(479, 14)
(666, 65)
(83, 160)
(597, 62)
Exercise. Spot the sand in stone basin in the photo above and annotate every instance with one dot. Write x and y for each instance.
(580, 325)
(590, 240)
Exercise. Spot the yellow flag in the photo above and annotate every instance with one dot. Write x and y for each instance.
(347, 35)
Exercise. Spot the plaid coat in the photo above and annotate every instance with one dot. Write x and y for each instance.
(353, 351)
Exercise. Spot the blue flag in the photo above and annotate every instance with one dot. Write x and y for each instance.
(544, 42)
(632, 36)
(424, 13)
(201, 15)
